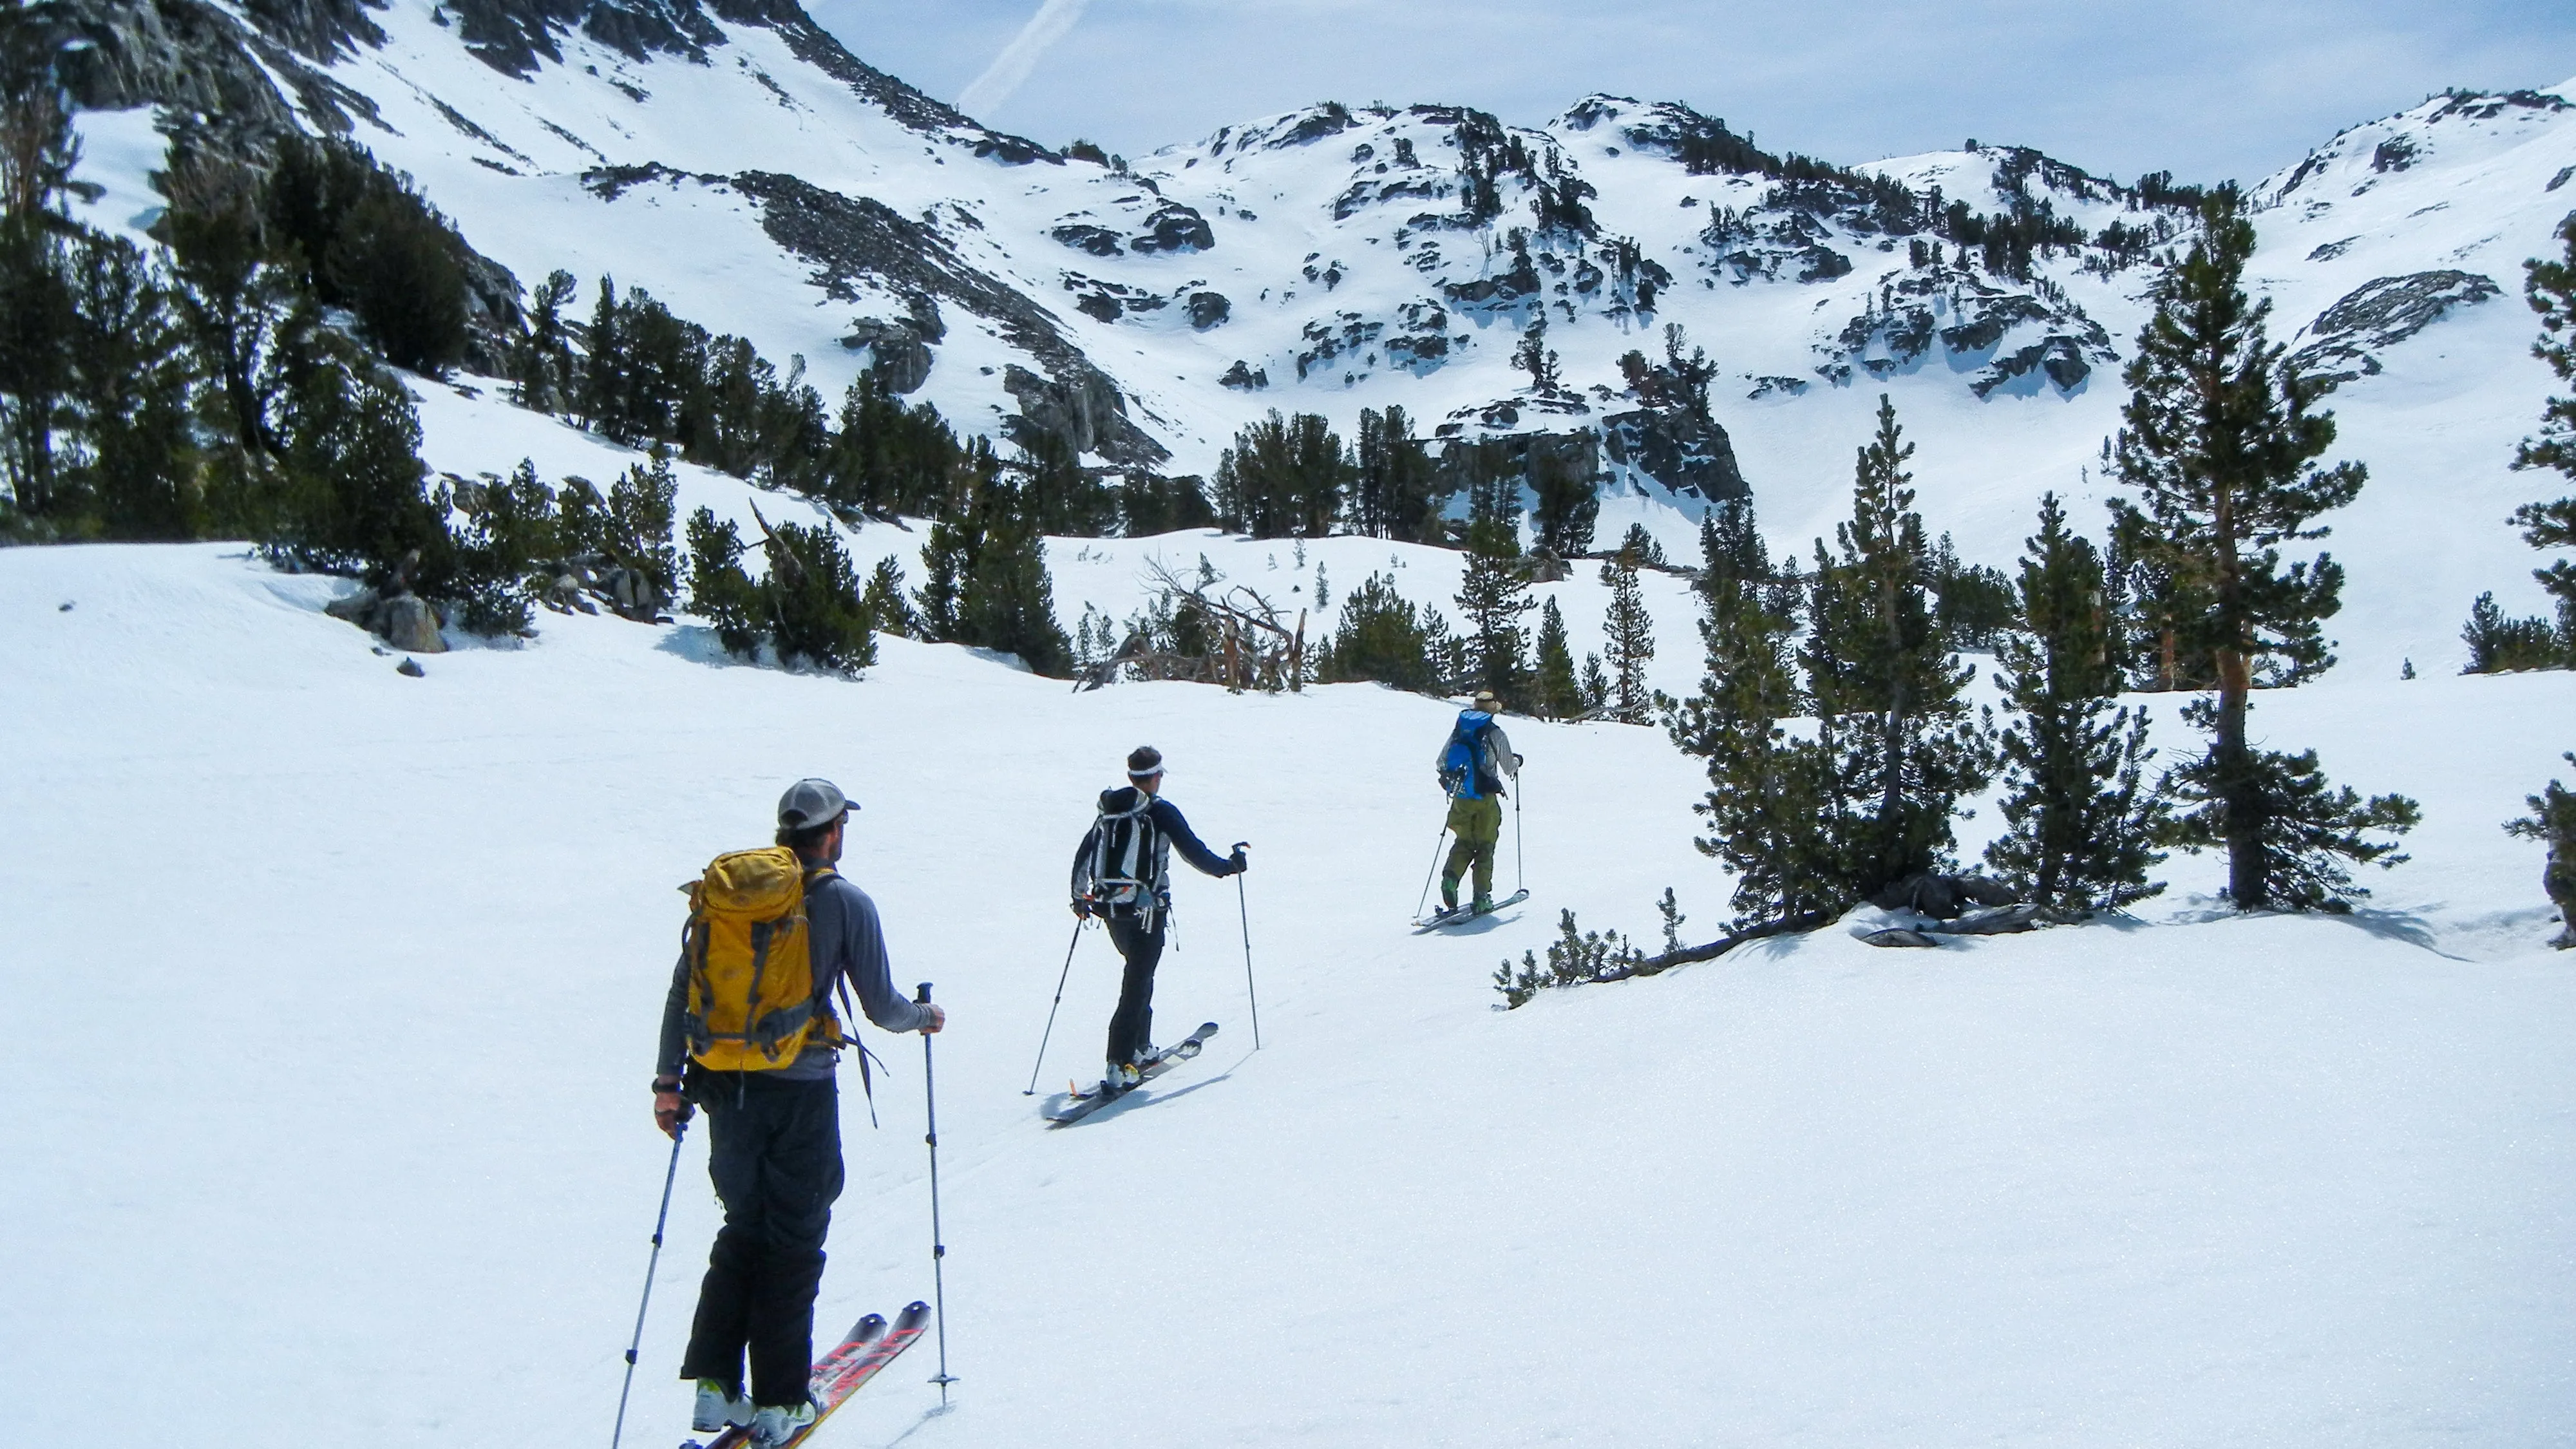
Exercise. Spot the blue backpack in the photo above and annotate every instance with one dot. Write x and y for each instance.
(1461, 763)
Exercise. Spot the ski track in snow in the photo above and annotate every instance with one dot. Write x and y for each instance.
(379, 962)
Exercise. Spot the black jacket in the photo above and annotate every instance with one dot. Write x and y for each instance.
(1167, 820)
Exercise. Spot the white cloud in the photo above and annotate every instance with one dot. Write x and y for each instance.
(1021, 56)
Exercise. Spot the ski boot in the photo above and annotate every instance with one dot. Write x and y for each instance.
(718, 1406)
(774, 1424)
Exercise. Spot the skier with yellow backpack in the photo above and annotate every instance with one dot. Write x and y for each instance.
(771, 934)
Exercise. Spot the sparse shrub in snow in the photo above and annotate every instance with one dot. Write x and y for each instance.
(2553, 823)
(2083, 813)
(2221, 447)
(1576, 956)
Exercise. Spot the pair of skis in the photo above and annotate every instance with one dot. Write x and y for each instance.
(1455, 914)
(1080, 1104)
(868, 1348)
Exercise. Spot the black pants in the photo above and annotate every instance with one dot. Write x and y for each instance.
(1131, 1026)
(774, 1151)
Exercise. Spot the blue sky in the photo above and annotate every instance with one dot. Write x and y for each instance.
(2203, 88)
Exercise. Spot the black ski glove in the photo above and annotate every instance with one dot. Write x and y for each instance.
(1237, 860)
(670, 1109)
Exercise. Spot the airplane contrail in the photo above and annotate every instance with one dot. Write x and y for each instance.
(1021, 56)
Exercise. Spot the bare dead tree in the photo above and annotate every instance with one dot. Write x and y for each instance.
(1251, 643)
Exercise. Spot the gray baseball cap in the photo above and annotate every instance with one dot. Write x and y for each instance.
(809, 803)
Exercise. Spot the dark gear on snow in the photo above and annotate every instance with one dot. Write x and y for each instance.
(1474, 762)
(774, 1153)
(1122, 874)
(1140, 943)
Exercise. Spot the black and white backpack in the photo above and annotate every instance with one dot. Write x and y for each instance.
(1129, 857)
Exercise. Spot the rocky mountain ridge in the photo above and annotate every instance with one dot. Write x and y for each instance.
(738, 161)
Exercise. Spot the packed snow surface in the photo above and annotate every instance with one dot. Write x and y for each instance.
(333, 997)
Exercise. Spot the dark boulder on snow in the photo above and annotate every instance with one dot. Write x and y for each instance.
(899, 356)
(408, 622)
(1207, 309)
(410, 668)
(1942, 897)
(1174, 228)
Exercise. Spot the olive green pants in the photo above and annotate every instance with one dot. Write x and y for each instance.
(1478, 825)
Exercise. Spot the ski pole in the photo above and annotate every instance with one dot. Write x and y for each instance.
(1520, 852)
(1244, 912)
(670, 1175)
(938, 1249)
(1061, 977)
(1420, 900)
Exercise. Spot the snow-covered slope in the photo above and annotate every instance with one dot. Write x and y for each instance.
(333, 993)
(741, 165)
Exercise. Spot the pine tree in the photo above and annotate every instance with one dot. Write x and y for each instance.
(541, 363)
(1566, 500)
(2553, 823)
(1492, 598)
(2082, 814)
(1381, 636)
(128, 395)
(1629, 632)
(2221, 447)
(886, 604)
(2551, 287)
(1395, 488)
(719, 591)
(1282, 477)
(1889, 696)
(1559, 695)
(1533, 357)
(1769, 805)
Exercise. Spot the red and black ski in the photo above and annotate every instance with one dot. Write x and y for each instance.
(869, 1347)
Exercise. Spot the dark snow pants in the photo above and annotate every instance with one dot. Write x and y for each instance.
(1131, 1026)
(774, 1151)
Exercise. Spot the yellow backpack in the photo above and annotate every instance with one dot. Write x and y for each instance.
(753, 1001)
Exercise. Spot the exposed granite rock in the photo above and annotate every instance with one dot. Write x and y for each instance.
(848, 238)
(1245, 377)
(1207, 309)
(1173, 227)
(899, 356)
(1678, 449)
(1085, 236)
(2380, 314)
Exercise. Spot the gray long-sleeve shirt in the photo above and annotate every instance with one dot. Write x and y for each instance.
(845, 939)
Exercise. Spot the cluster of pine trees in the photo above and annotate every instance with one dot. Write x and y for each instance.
(1832, 714)
(2551, 287)
(2497, 643)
